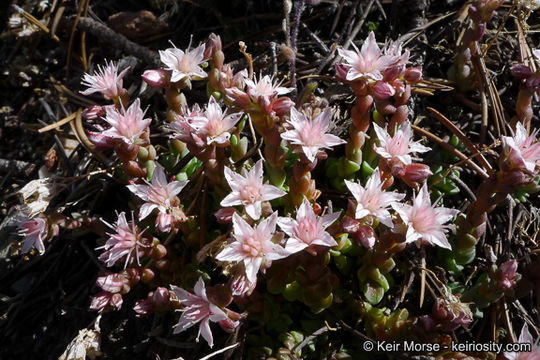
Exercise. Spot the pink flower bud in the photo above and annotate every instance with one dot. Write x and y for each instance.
(102, 142)
(265, 104)
(350, 225)
(143, 307)
(532, 82)
(100, 301)
(365, 236)
(212, 45)
(156, 78)
(237, 97)
(228, 325)
(341, 71)
(417, 173)
(507, 275)
(224, 215)
(93, 112)
(116, 301)
(282, 106)
(160, 297)
(413, 75)
(164, 222)
(393, 72)
(520, 71)
(111, 282)
(383, 90)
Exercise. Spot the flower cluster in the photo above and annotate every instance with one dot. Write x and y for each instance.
(250, 153)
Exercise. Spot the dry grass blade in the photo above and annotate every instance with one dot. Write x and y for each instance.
(468, 143)
(36, 22)
(490, 44)
(414, 33)
(73, 97)
(78, 129)
(57, 124)
(437, 140)
(82, 5)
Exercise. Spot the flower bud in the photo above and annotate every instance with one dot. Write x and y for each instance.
(282, 106)
(93, 112)
(237, 97)
(160, 297)
(164, 222)
(350, 225)
(383, 90)
(520, 71)
(213, 44)
(365, 236)
(416, 173)
(507, 275)
(102, 142)
(341, 71)
(413, 75)
(156, 78)
(143, 307)
(224, 215)
(116, 301)
(112, 283)
(147, 275)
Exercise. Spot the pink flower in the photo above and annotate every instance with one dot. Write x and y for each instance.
(368, 63)
(126, 242)
(522, 151)
(112, 282)
(253, 245)
(248, 190)
(310, 132)
(399, 146)
(240, 284)
(425, 222)
(525, 338)
(213, 124)
(181, 128)
(372, 200)
(106, 80)
(159, 194)
(197, 308)
(156, 78)
(307, 229)
(127, 125)
(35, 232)
(184, 65)
(104, 299)
(265, 87)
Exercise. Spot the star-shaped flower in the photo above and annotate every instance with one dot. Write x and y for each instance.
(369, 62)
(253, 245)
(399, 146)
(424, 222)
(311, 132)
(184, 65)
(159, 194)
(522, 151)
(264, 87)
(126, 241)
(214, 124)
(197, 309)
(35, 232)
(126, 125)
(307, 229)
(372, 200)
(248, 190)
(105, 80)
